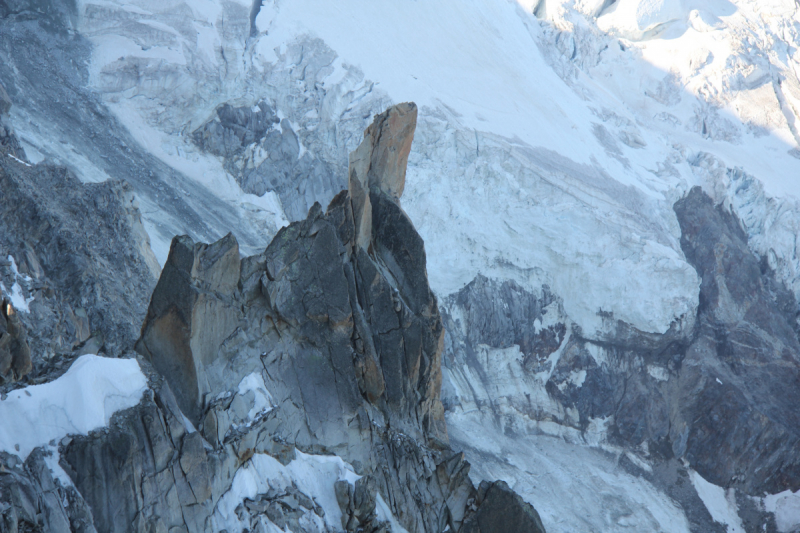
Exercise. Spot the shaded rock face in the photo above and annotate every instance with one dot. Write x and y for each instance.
(501, 510)
(741, 375)
(500, 315)
(31, 500)
(264, 153)
(5, 101)
(147, 472)
(357, 503)
(78, 256)
(15, 354)
(9, 144)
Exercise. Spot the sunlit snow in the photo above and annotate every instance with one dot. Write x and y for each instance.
(83, 399)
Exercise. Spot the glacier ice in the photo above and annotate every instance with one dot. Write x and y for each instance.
(517, 143)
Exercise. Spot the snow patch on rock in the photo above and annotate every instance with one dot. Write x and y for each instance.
(786, 508)
(16, 295)
(314, 475)
(82, 400)
(261, 398)
(721, 504)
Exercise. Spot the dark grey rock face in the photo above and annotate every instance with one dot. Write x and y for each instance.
(264, 154)
(740, 379)
(15, 354)
(235, 128)
(5, 101)
(147, 472)
(358, 505)
(501, 315)
(501, 510)
(79, 256)
(31, 500)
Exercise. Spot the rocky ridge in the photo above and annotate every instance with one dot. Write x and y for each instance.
(328, 342)
(77, 265)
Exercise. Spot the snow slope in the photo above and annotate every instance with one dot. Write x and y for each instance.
(548, 472)
(82, 400)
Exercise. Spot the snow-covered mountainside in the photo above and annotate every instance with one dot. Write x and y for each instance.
(608, 192)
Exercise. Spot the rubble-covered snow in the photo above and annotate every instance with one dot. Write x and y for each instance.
(572, 486)
(786, 507)
(83, 399)
(314, 475)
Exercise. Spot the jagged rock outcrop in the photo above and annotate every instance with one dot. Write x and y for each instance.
(15, 354)
(501, 510)
(380, 162)
(193, 309)
(738, 423)
(317, 344)
(78, 261)
(147, 472)
(31, 499)
(357, 503)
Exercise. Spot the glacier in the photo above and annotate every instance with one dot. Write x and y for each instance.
(515, 108)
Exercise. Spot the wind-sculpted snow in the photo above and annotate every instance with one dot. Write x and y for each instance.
(82, 400)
